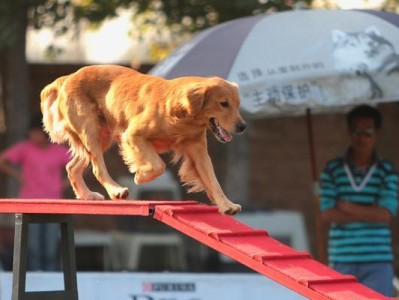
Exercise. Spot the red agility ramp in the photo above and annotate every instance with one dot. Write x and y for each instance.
(254, 248)
(258, 251)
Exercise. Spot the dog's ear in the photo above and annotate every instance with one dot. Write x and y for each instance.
(190, 101)
(196, 99)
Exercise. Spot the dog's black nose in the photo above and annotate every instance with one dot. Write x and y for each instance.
(240, 127)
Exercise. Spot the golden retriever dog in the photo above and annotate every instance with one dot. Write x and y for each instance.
(145, 115)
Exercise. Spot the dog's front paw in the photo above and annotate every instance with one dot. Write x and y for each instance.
(120, 193)
(230, 209)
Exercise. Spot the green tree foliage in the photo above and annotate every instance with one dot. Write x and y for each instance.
(61, 15)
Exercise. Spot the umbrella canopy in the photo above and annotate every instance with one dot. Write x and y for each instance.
(287, 62)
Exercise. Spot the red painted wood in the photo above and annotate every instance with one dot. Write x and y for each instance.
(83, 207)
(296, 270)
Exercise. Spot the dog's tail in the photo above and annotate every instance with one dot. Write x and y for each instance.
(53, 121)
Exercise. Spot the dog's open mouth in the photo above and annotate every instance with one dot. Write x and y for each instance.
(221, 134)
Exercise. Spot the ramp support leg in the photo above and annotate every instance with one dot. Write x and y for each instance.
(20, 260)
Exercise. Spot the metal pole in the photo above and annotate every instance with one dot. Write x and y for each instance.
(320, 233)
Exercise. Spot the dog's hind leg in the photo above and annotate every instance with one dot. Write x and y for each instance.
(95, 144)
(88, 141)
(114, 190)
(75, 169)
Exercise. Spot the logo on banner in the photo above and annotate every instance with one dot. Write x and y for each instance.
(149, 288)
(168, 287)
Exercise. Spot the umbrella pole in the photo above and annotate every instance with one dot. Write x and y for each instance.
(320, 233)
(311, 145)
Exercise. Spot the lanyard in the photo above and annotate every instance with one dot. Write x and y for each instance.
(364, 181)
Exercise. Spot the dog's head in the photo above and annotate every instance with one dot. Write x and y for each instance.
(215, 103)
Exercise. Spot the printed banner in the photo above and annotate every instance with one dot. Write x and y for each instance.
(145, 286)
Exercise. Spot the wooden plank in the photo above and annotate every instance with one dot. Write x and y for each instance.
(83, 207)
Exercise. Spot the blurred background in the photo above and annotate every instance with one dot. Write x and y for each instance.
(267, 170)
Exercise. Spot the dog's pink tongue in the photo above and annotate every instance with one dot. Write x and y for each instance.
(226, 136)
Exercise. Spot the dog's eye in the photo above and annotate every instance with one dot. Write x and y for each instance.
(225, 104)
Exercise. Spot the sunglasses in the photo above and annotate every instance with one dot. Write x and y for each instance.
(363, 132)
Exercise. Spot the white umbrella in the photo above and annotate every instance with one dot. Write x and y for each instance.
(289, 61)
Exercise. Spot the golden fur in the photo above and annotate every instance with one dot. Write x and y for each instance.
(146, 115)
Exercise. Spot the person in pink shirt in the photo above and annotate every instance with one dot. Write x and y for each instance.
(39, 168)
